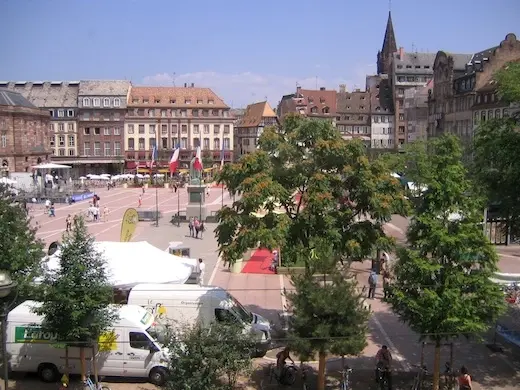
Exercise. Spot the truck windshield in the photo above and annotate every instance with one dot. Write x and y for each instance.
(244, 314)
(159, 332)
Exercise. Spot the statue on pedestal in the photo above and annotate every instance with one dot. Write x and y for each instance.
(195, 176)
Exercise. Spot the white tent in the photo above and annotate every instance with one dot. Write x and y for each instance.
(131, 263)
(51, 166)
(6, 180)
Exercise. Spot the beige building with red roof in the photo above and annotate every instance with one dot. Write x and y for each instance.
(251, 126)
(169, 116)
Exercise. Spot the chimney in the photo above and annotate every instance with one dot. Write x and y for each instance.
(342, 88)
(401, 53)
(298, 89)
(193, 85)
(322, 88)
(185, 85)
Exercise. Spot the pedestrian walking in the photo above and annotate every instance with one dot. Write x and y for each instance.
(372, 284)
(386, 279)
(105, 214)
(191, 226)
(68, 223)
(52, 210)
(140, 200)
(202, 268)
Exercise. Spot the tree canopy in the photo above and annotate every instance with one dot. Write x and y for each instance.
(508, 80)
(311, 183)
(441, 287)
(21, 252)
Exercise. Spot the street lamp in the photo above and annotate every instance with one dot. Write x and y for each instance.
(6, 288)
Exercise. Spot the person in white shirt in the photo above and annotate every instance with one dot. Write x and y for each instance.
(202, 268)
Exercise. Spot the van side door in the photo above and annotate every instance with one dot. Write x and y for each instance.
(111, 357)
(138, 357)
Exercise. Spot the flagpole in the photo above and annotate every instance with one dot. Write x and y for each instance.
(156, 179)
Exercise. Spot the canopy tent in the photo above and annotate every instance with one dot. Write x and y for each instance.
(131, 263)
(51, 166)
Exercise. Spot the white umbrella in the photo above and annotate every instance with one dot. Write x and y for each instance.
(82, 177)
(6, 180)
(51, 166)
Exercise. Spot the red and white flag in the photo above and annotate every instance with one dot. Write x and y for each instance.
(174, 161)
(198, 160)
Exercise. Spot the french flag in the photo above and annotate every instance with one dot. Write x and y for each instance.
(174, 161)
(198, 160)
(155, 157)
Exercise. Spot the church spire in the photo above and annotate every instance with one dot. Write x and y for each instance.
(389, 47)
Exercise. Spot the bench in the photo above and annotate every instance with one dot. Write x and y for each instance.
(148, 215)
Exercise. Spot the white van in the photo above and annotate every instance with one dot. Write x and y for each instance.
(183, 303)
(133, 348)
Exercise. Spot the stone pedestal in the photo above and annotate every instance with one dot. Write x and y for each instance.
(197, 202)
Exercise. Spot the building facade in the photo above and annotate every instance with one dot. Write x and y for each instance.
(60, 98)
(318, 104)
(102, 107)
(353, 114)
(24, 133)
(169, 116)
(464, 90)
(416, 112)
(251, 126)
(381, 112)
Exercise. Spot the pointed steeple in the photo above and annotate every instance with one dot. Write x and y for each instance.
(389, 47)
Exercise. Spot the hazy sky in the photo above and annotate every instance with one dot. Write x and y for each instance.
(245, 50)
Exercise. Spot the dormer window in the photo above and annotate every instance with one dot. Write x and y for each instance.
(314, 110)
(172, 101)
(106, 102)
(199, 101)
(86, 102)
(325, 110)
(157, 101)
(378, 109)
(145, 101)
(187, 101)
(211, 101)
(117, 102)
(97, 102)
(311, 100)
(362, 98)
(361, 107)
(134, 100)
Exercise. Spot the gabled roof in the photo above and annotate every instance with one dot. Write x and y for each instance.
(47, 94)
(11, 98)
(104, 87)
(255, 113)
(192, 97)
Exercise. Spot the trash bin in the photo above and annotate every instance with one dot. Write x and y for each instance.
(237, 267)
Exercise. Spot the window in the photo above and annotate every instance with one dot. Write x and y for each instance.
(245, 142)
(483, 115)
(117, 131)
(72, 141)
(205, 146)
(97, 131)
(117, 148)
(141, 129)
(196, 129)
(86, 102)
(86, 131)
(187, 101)
(226, 129)
(106, 131)
(152, 143)
(61, 152)
(139, 340)
(401, 117)
(400, 79)
(195, 112)
(184, 142)
(410, 79)
(490, 114)
(97, 148)
(130, 129)
(51, 126)
(227, 144)
(141, 143)
(61, 127)
(97, 102)
(131, 143)
(70, 113)
(151, 112)
(70, 126)
(106, 102)
(223, 315)
(216, 143)
(86, 148)
(52, 140)
(360, 118)
(157, 101)
(401, 129)
(214, 112)
(174, 129)
(4, 141)
(216, 129)
(61, 113)
(164, 143)
(163, 113)
(399, 66)
(196, 142)
(174, 142)
(117, 102)
(211, 101)
(72, 152)
(199, 101)
(145, 100)
(184, 113)
(164, 129)
(205, 112)
(151, 129)
(107, 149)
(206, 129)
(172, 101)
(51, 113)
(184, 129)
(497, 113)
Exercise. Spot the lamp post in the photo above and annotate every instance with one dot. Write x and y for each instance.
(6, 288)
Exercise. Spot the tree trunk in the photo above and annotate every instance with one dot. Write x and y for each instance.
(94, 364)
(437, 366)
(82, 363)
(321, 370)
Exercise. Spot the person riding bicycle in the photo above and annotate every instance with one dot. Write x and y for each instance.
(281, 357)
(464, 379)
(384, 363)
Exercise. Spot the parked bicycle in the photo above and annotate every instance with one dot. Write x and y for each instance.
(345, 378)
(90, 385)
(450, 377)
(287, 377)
(419, 377)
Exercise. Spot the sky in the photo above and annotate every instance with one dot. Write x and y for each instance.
(246, 51)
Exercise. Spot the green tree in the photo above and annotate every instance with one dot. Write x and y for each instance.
(207, 159)
(21, 252)
(328, 313)
(207, 358)
(77, 297)
(508, 79)
(323, 185)
(442, 288)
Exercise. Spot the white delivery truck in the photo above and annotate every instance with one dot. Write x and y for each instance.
(188, 304)
(132, 348)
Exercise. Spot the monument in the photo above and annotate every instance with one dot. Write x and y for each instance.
(196, 195)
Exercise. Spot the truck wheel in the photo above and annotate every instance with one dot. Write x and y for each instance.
(48, 372)
(158, 376)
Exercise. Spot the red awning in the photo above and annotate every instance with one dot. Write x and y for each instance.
(131, 165)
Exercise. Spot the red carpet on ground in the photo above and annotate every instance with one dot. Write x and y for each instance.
(259, 262)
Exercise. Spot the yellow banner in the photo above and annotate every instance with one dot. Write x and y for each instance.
(128, 225)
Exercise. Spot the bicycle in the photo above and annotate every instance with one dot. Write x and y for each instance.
(90, 385)
(450, 377)
(286, 377)
(383, 377)
(345, 378)
(419, 378)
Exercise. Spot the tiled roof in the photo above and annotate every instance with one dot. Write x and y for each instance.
(11, 98)
(104, 87)
(356, 103)
(254, 114)
(175, 96)
(414, 60)
(47, 94)
(318, 100)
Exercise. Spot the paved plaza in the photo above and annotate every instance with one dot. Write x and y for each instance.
(262, 293)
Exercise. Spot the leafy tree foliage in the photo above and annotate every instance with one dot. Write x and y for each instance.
(328, 316)
(21, 252)
(508, 80)
(442, 287)
(207, 358)
(322, 183)
(77, 295)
